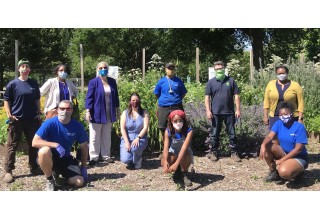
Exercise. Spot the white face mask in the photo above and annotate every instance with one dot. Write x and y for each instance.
(178, 125)
(64, 116)
(63, 75)
(283, 76)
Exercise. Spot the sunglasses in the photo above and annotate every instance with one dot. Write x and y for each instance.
(170, 68)
(105, 67)
(65, 109)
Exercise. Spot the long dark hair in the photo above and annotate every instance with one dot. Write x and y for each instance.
(140, 109)
(183, 130)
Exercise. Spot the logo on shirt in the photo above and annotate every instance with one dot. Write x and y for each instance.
(71, 134)
(293, 135)
(227, 83)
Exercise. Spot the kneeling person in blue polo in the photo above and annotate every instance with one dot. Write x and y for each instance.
(54, 139)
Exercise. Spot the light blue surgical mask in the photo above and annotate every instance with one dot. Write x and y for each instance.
(283, 76)
(103, 72)
(63, 75)
(285, 118)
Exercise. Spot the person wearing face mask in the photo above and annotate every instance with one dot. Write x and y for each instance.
(220, 95)
(134, 123)
(22, 106)
(102, 109)
(57, 89)
(288, 159)
(54, 139)
(177, 153)
(169, 90)
(282, 90)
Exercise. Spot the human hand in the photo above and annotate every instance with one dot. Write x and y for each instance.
(262, 152)
(135, 142)
(266, 120)
(238, 114)
(88, 117)
(60, 150)
(165, 167)
(128, 146)
(84, 173)
(173, 167)
(209, 114)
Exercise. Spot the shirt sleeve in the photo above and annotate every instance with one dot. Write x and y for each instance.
(275, 127)
(90, 95)
(157, 89)
(302, 135)
(208, 88)
(236, 90)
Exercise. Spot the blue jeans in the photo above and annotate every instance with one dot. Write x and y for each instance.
(135, 154)
(229, 121)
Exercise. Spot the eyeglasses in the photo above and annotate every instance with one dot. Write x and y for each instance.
(104, 67)
(65, 109)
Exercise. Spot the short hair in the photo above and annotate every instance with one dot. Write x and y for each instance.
(288, 106)
(218, 63)
(66, 101)
(282, 67)
(102, 62)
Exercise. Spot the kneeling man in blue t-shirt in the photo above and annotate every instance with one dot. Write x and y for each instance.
(54, 139)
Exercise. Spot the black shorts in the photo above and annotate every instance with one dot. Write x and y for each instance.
(163, 113)
(66, 166)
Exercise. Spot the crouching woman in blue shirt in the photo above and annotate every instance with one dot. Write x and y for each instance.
(288, 160)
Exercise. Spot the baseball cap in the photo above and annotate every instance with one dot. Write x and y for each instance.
(23, 61)
(170, 64)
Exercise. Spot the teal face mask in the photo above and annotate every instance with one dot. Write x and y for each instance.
(220, 75)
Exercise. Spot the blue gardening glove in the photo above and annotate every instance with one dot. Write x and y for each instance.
(61, 150)
(84, 173)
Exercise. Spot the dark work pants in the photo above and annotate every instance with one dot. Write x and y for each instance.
(15, 129)
(229, 121)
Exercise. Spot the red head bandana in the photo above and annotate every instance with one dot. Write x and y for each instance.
(177, 112)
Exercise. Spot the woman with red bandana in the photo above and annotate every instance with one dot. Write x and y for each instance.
(177, 154)
(22, 106)
(134, 126)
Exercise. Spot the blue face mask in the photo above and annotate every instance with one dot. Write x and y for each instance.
(285, 118)
(103, 72)
(63, 75)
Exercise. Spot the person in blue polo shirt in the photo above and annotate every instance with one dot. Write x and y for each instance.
(288, 160)
(54, 139)
(169, 90)
(220, 94)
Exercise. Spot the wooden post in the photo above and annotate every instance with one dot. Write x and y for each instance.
(81, 68)
(16, 57)
(197, 65)
(143, 63)
(251, 66)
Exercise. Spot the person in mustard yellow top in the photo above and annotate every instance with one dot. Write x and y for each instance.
(279, 91)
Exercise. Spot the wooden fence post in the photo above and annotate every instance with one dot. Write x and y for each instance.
(16, 57)
(81, 68)
(143, 63)
(197, 65)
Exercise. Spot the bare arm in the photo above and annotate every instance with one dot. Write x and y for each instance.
(266, 141)
(184, 147)
(123, 130)
(265, 116)
(292, 154)
(207, 100)
(84, 154)
(237, 101)
(8, 111)
(38, 142)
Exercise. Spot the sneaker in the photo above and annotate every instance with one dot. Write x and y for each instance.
(50, 185)
(138, 164)
(235, 156)
(186, 180)
(212, 156)
(92, 163)
(130, 166)
(272, 176)
(8, 178)
(177, 176)
(36, 171)
(298, 179)
(109, 160)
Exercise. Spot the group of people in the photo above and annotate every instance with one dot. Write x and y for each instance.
(50, 142)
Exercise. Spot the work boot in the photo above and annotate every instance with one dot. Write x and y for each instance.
(235, 156)
(177, 176)
(8, 178)
(186, 180)
(272, 176)
(212, 155)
